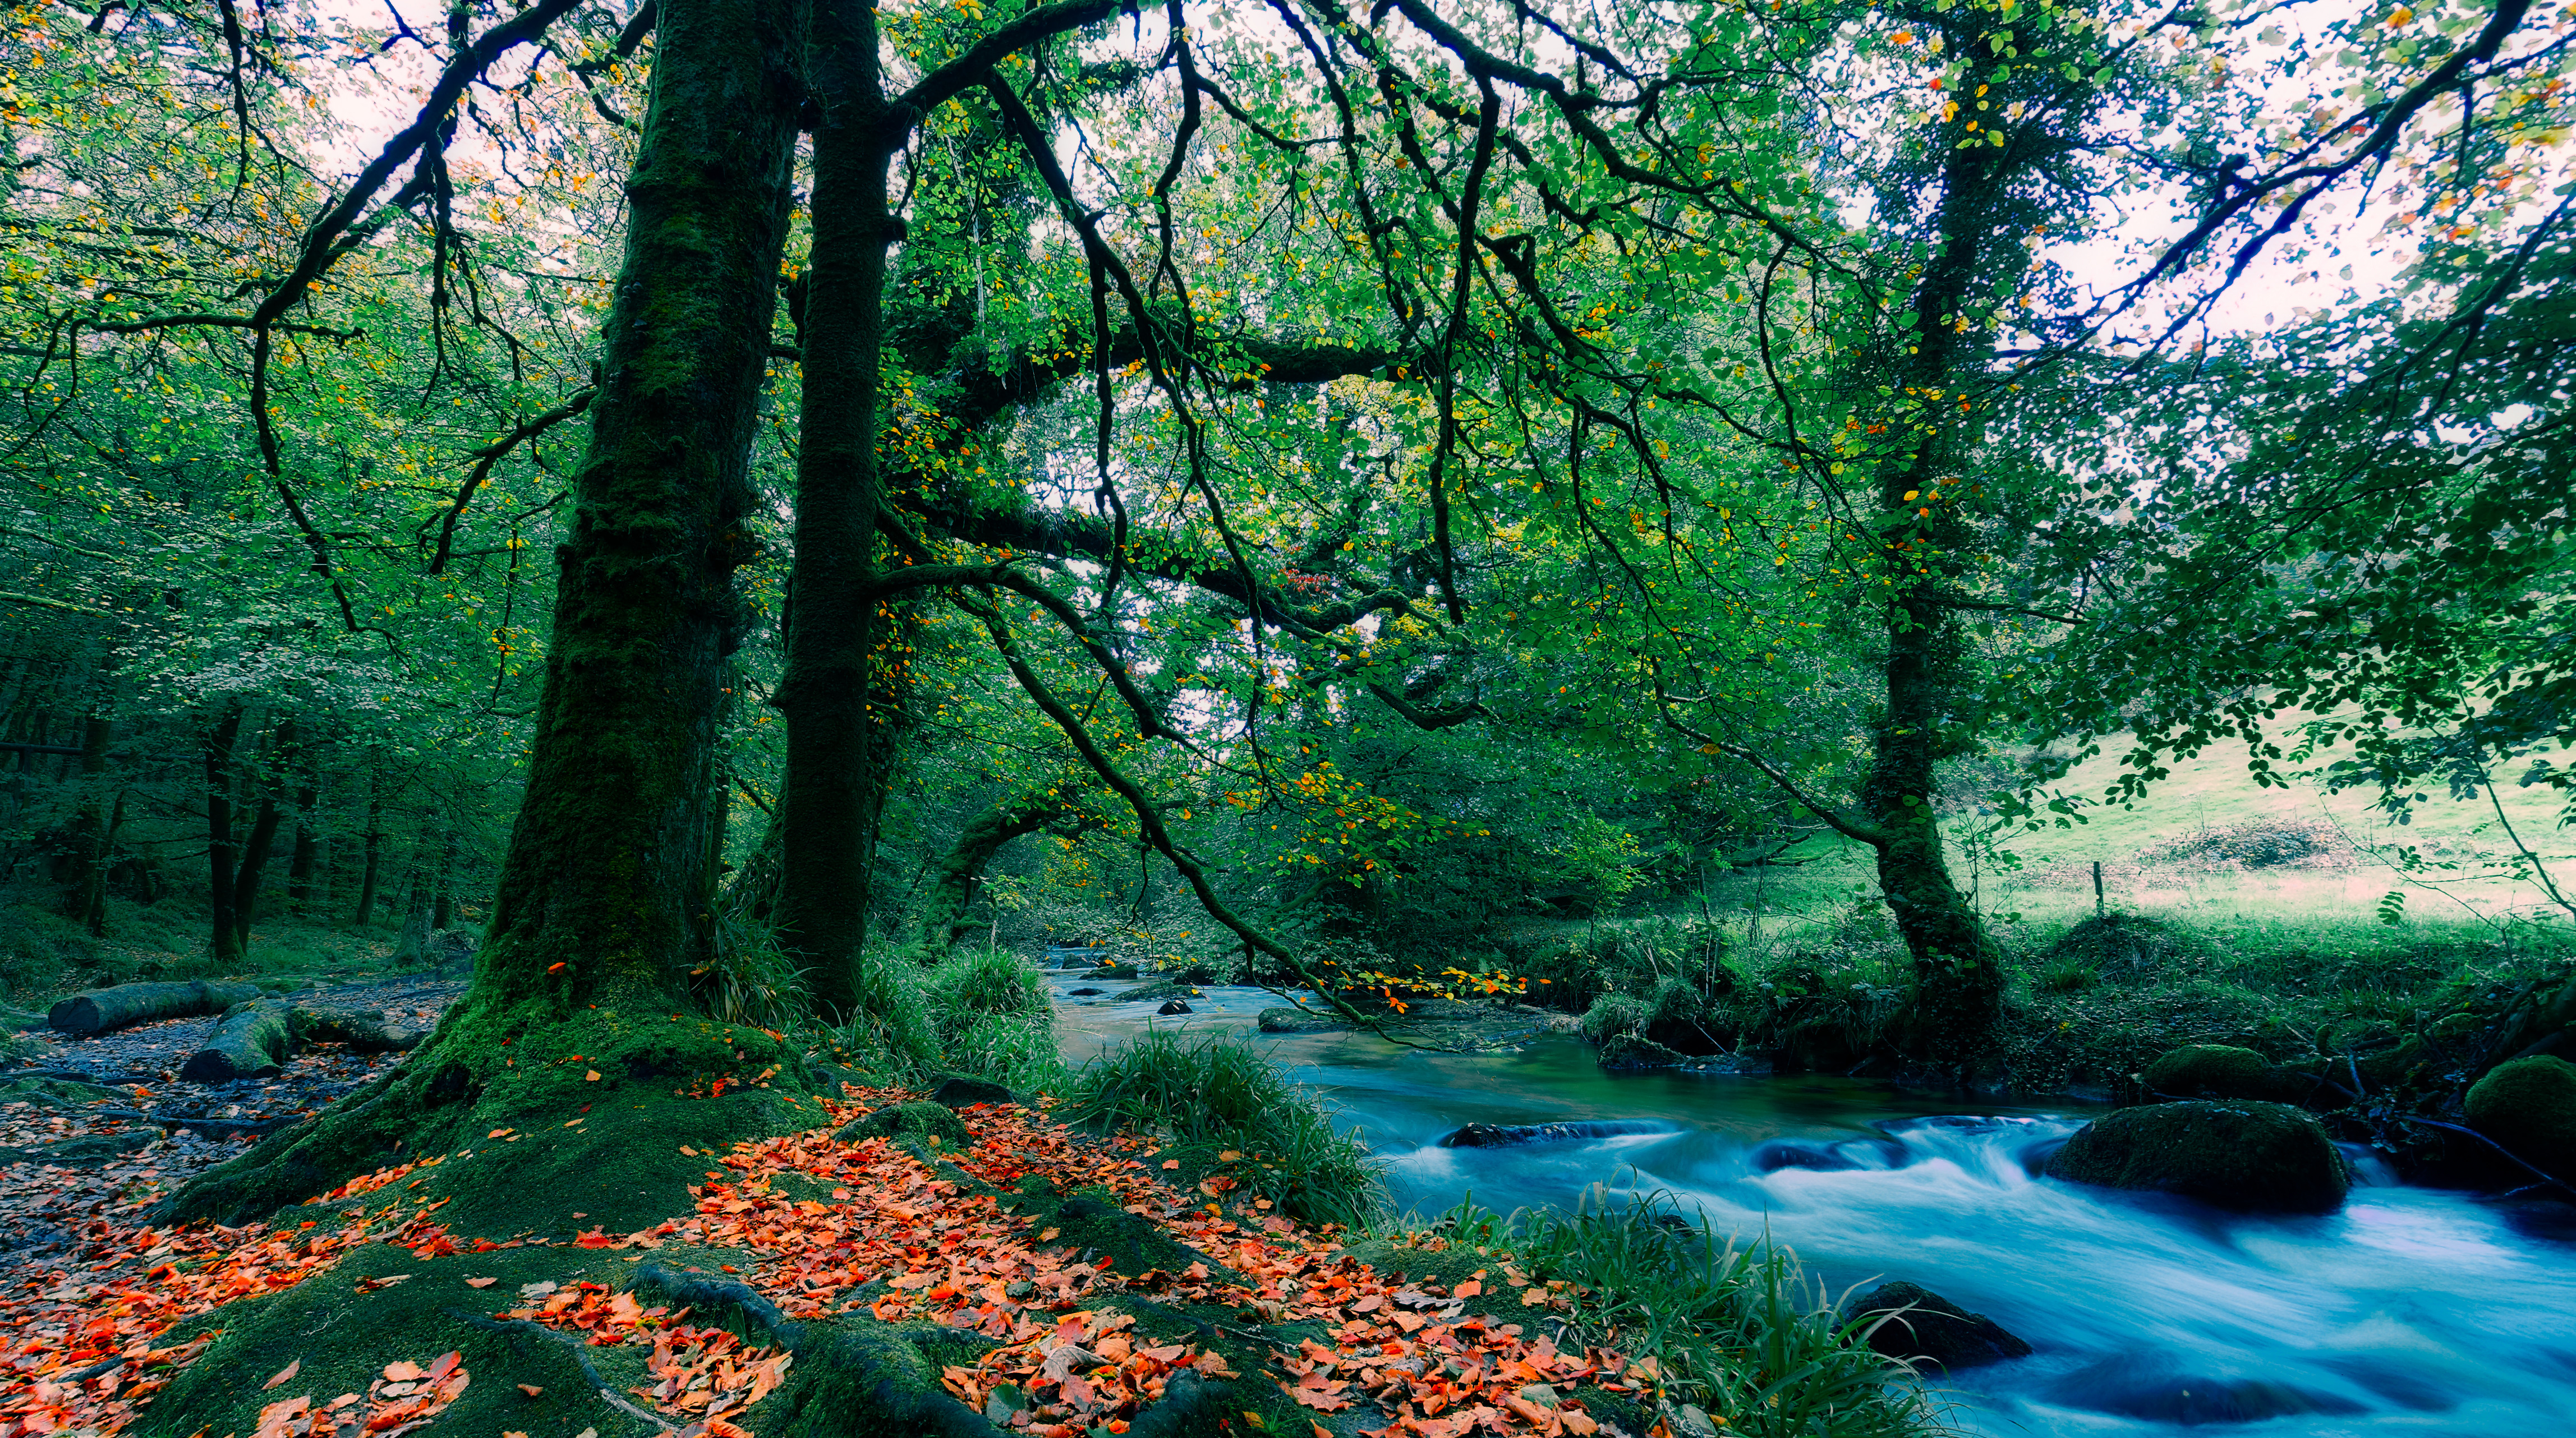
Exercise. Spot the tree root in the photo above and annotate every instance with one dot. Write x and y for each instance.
(572, 1345)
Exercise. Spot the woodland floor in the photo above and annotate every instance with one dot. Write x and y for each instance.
(1051, 1282)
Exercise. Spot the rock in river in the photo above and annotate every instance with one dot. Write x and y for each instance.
(2250, 1157)
(1175, 1007)
(2529, 1106)
(1513, 1135)
(1932, 1331)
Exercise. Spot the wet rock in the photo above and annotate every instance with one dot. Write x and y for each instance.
(2529, 1106)
(1514, 1135)
(2249, 1157)
(1109, 971)
(1080, 993)
(1175, 1007)
(1931, 1331)
(1283, 1019)
(1842, 1157)
(907, 1120)
(1636, 1051)
(966, 1091)
(2152, 1388)
(2213, 1071)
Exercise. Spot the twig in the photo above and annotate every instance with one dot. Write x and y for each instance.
(2546, 1178)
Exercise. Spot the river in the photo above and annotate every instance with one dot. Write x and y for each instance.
(2413, 1311)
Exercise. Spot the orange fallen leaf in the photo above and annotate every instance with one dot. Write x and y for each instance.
(402, 1371)
(282, 1374)
(556, 967)
(481, 1282)
(530, 1389)
(591, 1077)
(1171, 1163)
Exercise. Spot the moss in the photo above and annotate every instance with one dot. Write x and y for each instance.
(2529, 1106)
(608, 1145)
(1091, 1219)
(343, 1339)
(2253, 1157)
(2212, 1071)
(923, 1120)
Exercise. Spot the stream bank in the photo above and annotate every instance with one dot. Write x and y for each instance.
(2412, 1309)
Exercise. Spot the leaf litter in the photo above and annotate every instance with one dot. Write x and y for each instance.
(895, 1240)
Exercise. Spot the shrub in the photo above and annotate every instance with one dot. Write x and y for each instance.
(1219, 1094)
(1738, 1330)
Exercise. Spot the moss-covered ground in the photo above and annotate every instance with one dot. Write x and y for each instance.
(655, 1252)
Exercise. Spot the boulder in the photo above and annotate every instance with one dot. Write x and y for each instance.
(2248, 1157)
(966, 1091)
(1513, 1135)
(2212, 1071)
(1284, 1019)
(908, 1120)
(1930, 1331)
(2529, 1106)
(1175, 1007)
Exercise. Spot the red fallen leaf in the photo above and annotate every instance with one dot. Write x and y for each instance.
(282, 1374)
(557, 967)
(402, 1371)
(530, 1389)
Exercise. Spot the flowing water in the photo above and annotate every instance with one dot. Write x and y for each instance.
(2413, 1311)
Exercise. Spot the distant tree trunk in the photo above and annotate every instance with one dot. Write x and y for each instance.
(96, 917)
(219, 834)
(443, 905)
(252, 865)
(86, 884)
(305, 862)
(831, 796)
(601, 906)
(374, 866)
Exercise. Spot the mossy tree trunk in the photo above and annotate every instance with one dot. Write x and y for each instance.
(830, 800)
(954, 878)
(603, 899)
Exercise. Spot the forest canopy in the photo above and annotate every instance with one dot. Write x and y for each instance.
(687, 486)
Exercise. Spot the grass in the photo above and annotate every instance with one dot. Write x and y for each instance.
(1219, 1095)
(1736, 1329)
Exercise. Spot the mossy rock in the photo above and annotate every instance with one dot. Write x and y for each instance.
(1929, 1330)
(2529, 1106)
(1287, 1019)
(2249, 1157)
(909, 1120)
(1157, 990)
(60, 1093)
(2213, 1071)
(966, 1091)
(2123, 946)
(1636, 1051)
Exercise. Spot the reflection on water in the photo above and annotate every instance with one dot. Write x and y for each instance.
(2413, 1311)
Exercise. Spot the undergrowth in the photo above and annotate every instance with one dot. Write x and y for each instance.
(1219, 1095)
(1740, 1330)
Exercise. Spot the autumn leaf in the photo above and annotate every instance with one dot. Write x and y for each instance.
(481, 1282)
(530, 1389)
(281, 1375)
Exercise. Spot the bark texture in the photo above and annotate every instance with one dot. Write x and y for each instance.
(605, 895)
(833, 793)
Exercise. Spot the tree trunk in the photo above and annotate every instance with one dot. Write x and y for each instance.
(305, 862)
(830, 798)
(374, 866)
(252, 865)
(219, 835)
(85, 886)
(954, 878)
(96, 918)
(601, 906)
(443, 901)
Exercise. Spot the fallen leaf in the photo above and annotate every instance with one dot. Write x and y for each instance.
(591, 1077)
(481, 1282)
(282, 1374)
(530, 1389)
(1171, 1163)
(402, 1371)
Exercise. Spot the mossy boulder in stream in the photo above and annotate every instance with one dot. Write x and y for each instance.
(1923, 1328)
(2529, 1106)
(2212, 1071)
(2250, 1157)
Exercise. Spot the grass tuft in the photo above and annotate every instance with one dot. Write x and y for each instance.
(1219, 1095)
(1739, 1330)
